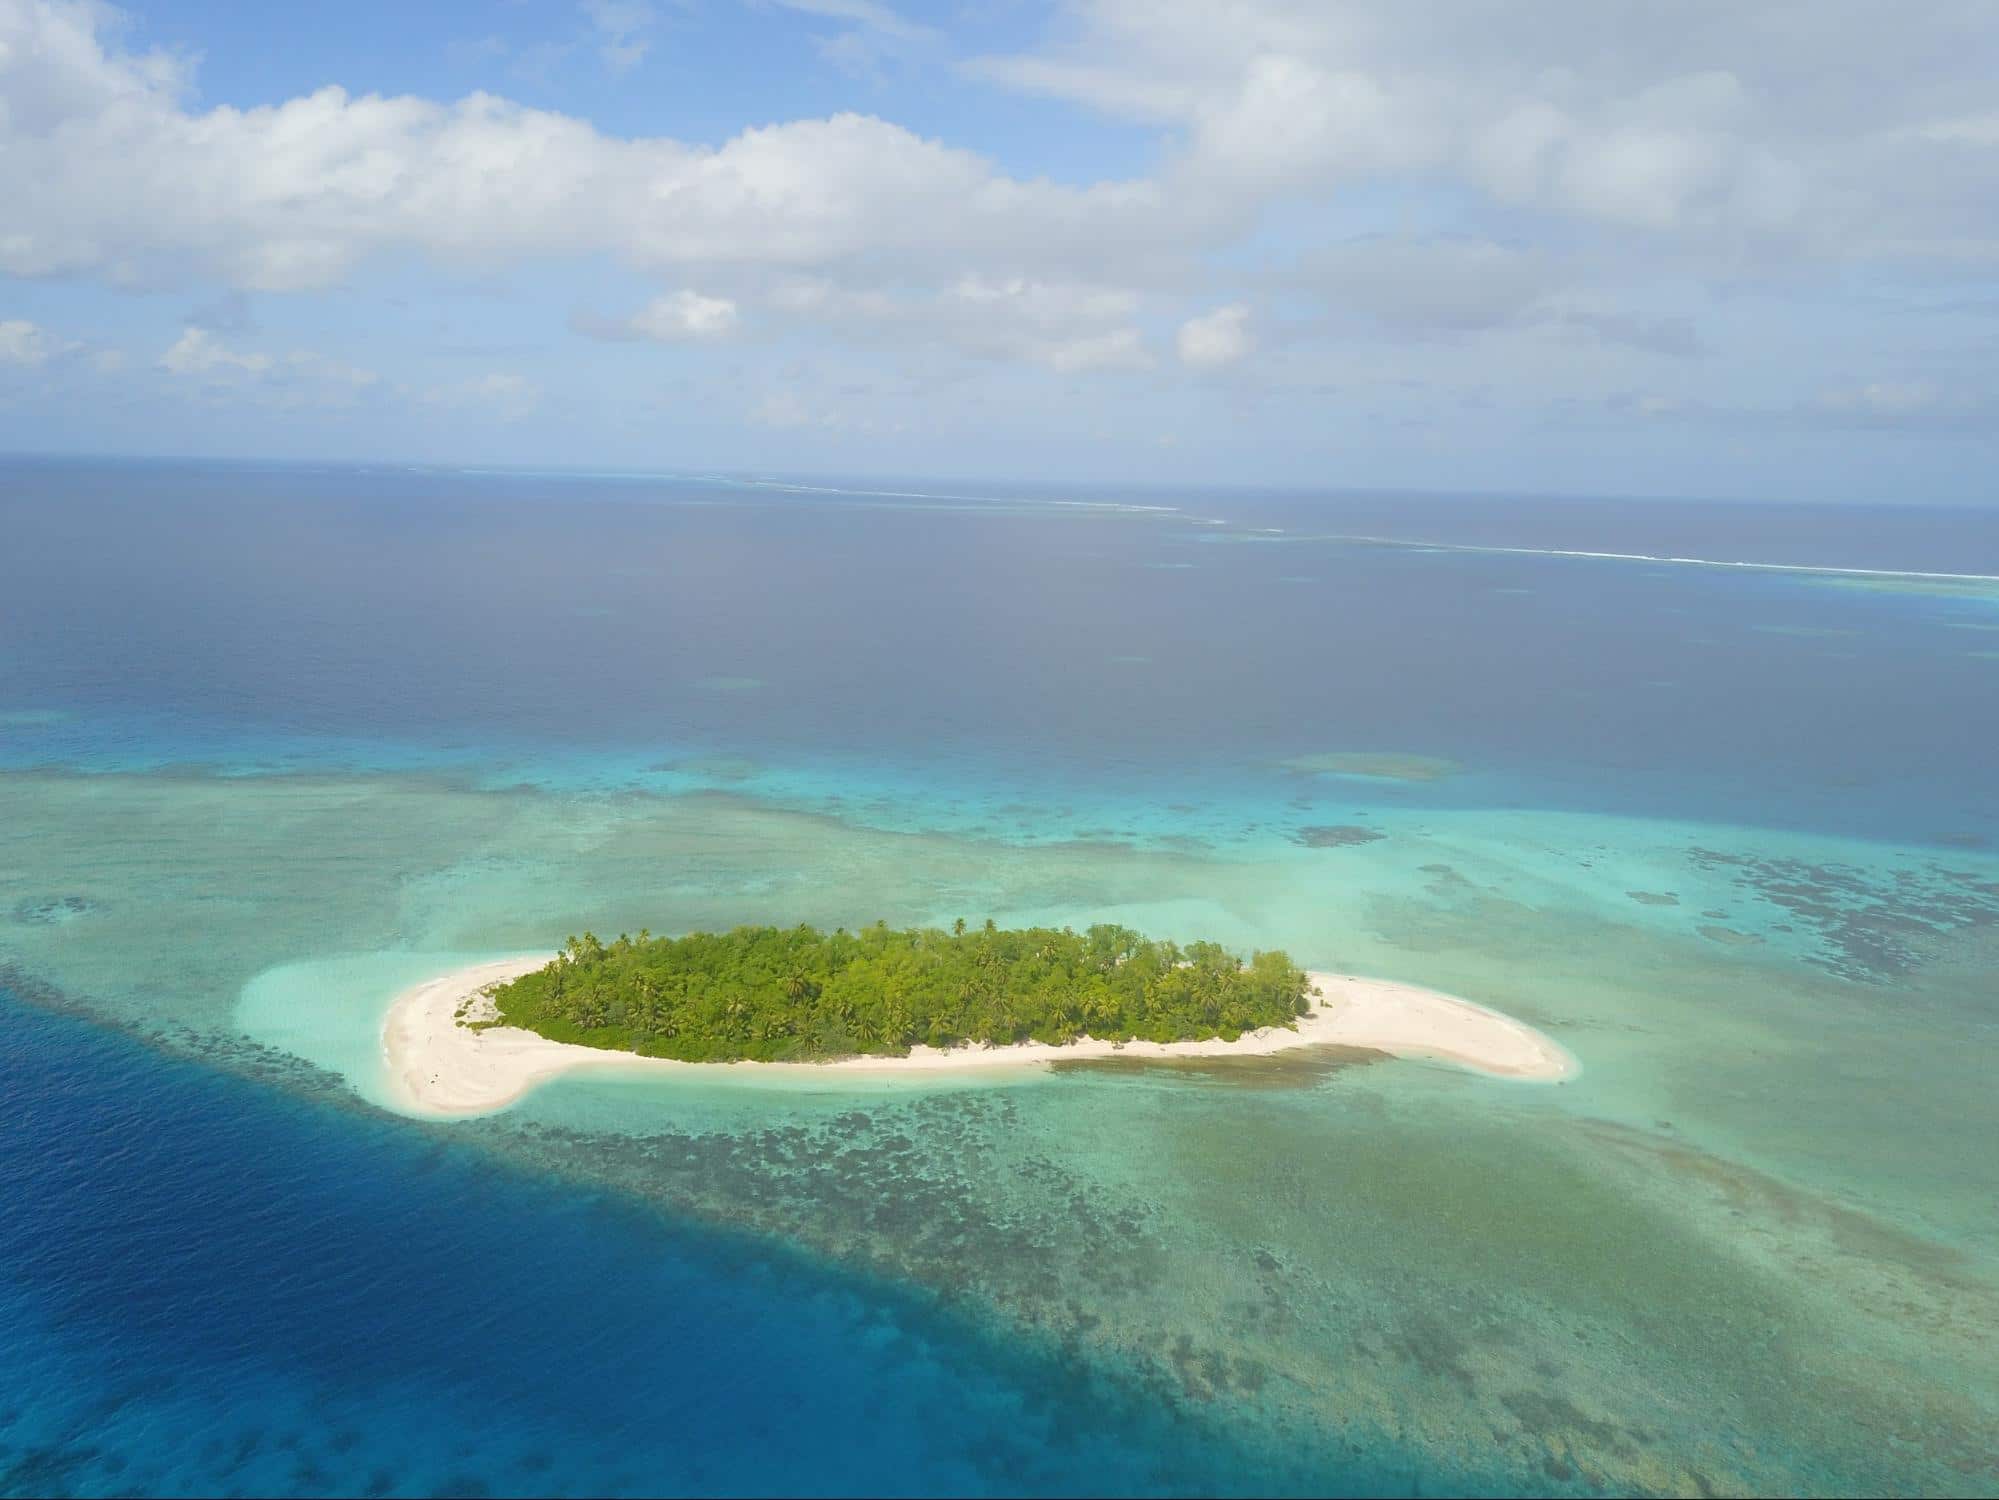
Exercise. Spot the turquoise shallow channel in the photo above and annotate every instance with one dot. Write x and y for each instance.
(276, 744)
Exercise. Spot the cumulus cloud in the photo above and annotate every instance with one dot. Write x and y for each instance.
(1215, 339)
(1427, 283)
(1067, 326)
(1603, 164)
(869, 34)
(685, 315)
(28, 345)
(620, 27)
(302, 377)
(198, 352)
(1710, 120)
(111, 174)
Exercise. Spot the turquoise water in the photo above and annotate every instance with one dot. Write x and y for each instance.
(275, 743)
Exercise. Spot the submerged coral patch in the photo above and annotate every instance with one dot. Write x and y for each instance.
(1870, 927)
(1728, 937)
(711, 767)
(1383, 765)
(47, 911)
(1336, 836)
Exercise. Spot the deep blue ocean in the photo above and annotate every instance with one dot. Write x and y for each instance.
(227, 1277)
(216, 1288)
(202, 614)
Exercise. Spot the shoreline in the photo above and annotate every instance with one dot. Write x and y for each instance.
(439, 1067)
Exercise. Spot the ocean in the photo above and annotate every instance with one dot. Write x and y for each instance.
(1703, 790)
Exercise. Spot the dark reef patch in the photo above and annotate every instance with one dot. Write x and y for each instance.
(1654, 898)
(1728, 937)
(49, 911)
(1872, 926)
(1336, 836)
(1295, 1067)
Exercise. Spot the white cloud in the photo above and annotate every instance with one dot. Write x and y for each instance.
(1578, 175)
(620, 27)
(685, 315)
(29, 345)
(197, 352)
(866, 15)
(1427, 283)
(1068, 326)
(302, 377)
(1706, 121)
(1215, 339)
(110, 174)
(870, 34)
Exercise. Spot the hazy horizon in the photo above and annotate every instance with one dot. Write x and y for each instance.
(1189, 490)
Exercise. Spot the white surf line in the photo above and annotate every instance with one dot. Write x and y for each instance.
(1648, 557)
(789, 487)
(1119, 506)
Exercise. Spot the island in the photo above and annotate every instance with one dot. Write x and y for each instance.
(796, 994)
(796, 1001)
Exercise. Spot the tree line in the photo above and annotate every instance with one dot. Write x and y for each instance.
(796, 993)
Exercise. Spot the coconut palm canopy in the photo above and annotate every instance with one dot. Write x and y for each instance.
(798, 993)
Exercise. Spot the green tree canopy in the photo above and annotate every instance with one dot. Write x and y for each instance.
(795, 993)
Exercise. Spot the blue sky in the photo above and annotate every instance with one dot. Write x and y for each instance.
(1745, 249)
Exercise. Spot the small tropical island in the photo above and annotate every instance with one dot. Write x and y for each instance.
(796, 994)
(797, 1003)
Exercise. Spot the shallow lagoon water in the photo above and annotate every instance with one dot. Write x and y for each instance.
(1750, 1248)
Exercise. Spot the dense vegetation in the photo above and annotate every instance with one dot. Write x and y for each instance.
(798, 993)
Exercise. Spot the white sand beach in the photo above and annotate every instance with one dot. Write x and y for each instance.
(438, 1065)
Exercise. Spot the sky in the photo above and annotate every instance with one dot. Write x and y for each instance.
(1740, 249)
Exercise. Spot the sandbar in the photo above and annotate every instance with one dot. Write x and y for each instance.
(438, 1065)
